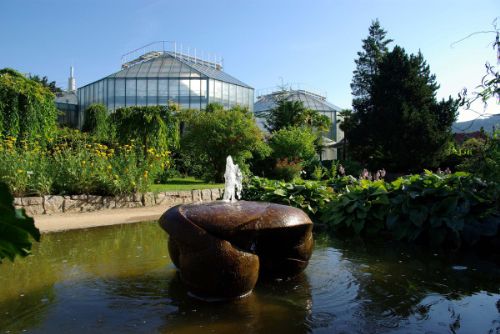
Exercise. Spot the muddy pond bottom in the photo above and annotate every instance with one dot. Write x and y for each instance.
(120, 279)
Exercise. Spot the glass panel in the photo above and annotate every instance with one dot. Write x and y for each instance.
(218, 92)
(105, 93)
(184, 93)
(175, 69)
(239, 95)
(251, 99)
(185, 71)
(133, 70)
(131, 93)
(232, 95)
(163, 91)
(211, 92)
(100, 92)
(203, 88)
(195, 98)
(89, 94)
(173, 91)
(225, 94)
(141, 92)
(155, 67)
(152, 92)
(111, 94)
(143, 72)
(119, 93)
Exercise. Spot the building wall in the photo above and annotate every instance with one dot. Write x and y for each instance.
(194, 93)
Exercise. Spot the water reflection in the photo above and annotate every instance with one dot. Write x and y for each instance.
(274, 307)
(120, 279)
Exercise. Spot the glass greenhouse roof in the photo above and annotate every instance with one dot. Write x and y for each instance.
(166, 65)
(312, 101)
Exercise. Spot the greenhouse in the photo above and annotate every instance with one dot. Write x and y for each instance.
(313, 101)
(159, 77)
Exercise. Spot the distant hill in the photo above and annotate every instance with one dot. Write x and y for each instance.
(475, 125)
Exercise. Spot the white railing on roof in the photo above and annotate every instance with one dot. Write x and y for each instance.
(293, 87)
(178, 51)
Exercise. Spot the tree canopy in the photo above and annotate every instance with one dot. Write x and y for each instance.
(293, 113)
(44, 81)
(209, 137)
(374, 48)
(406, 128)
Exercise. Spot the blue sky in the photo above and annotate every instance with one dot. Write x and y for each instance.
(264, 43)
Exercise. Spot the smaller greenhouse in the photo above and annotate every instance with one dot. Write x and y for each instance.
(313, 101)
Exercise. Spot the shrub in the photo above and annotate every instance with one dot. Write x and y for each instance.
(76, 167)
(310, 196)
(440, 209)
(27, 109)
(484, 157)
(154, 127)
(452, 210)
(97, 122)
(293, 143)
(209, 137)
(287, 170)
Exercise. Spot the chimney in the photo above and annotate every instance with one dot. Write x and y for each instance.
(71, 81)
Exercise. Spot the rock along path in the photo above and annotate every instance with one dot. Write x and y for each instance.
(63, 222)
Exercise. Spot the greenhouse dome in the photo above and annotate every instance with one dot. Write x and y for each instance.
(159, 73)
(313, 101)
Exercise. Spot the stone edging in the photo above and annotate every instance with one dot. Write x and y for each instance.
(51, 204)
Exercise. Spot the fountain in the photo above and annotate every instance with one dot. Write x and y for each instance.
(222, 248)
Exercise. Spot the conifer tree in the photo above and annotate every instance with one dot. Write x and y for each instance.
(407, 129)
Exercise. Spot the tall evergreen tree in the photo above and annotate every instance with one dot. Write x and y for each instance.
(374, 48)
(407, 129)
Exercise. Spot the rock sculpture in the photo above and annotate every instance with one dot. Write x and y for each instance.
(222, 248)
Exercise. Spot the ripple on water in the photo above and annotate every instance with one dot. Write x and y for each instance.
(334, 287)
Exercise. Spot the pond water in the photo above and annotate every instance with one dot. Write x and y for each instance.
(120, 279)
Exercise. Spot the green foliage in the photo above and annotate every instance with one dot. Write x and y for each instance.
(293, 143)
(97, 122)
(484, 157)
(374, 48)
(450, 210)
(405, 128)
(154, 127)
(44, 81)
(72, 165)
(27, 109)
(209, 137)
(287, 170)
(15, 228)
(310, 196)
(440, 209)
(294, 114)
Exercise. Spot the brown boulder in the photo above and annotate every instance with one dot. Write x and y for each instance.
(222, 248)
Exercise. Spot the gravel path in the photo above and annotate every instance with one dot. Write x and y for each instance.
(63, 222)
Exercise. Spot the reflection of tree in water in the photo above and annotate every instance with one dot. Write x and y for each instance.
(274, 307)
(395, 278)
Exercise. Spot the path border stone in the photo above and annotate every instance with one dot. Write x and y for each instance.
(55, 204)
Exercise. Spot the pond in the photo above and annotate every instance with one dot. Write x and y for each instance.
(120, 279)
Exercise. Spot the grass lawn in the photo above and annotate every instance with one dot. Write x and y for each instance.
(188, 183)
